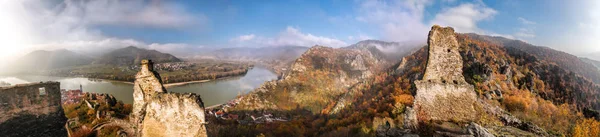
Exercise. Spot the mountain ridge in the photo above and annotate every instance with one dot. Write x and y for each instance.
(132, 55)
(563, 59)
(41, 60)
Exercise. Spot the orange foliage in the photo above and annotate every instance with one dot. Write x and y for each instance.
(516, 103)
(404, 99)
(82, 132)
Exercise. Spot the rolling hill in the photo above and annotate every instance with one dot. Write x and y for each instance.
(132, 55)
(562, 59)
(41, 60)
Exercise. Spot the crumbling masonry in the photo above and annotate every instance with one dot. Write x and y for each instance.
(443, 94)
(158, 113)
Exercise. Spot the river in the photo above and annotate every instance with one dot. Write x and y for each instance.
(212, 92)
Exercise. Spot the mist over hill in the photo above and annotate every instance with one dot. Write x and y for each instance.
(132, 55)
(283, 53)
(593, 62)
(391, 51)
(43, 60)
(562, 59)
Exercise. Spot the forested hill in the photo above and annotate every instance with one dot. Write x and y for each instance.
(132, 55)
(521, 94)
(562, 59)
(593, 62)
(391, 51)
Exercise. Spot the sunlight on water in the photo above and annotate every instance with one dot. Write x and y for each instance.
(213, 92)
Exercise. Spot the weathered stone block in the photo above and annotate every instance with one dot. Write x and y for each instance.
(174, 115)
(445, 101)
(32, 110)
(158, 113)
(443, 93)
(444, 62)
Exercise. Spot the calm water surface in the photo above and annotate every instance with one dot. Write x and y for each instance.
(213, 92)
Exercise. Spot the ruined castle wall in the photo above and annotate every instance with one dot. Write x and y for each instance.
(32, 110)
(158, 113)
(174, 115)
(445, 62)
(445, 101)
(443, 93)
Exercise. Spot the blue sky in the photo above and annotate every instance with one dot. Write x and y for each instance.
(187, 26)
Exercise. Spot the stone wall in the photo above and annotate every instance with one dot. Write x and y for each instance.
(32, 109)
(158, 113)
(443, 93)
(444, 62)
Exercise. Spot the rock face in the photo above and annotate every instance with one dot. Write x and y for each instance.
(443, 93)
(32, 110)
(157, 112)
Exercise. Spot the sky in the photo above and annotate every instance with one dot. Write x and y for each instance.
(188, 27)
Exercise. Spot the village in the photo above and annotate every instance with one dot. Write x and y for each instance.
(220, 112)
(171, 66)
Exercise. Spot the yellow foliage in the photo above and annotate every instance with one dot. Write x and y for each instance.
(587, 128)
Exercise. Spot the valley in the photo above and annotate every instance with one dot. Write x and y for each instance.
(118, 65)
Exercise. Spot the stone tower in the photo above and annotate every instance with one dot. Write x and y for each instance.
(158, 113)
(444, 63)
(443, 94)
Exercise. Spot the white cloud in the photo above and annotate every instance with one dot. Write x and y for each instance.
(525, 33)
(31, 25)
(243, 38)
(398, 20)
(178, 49)
(525, 21)
(502, 35)
(289, 36)
(588, 32)
(360, 37)
(129, 12)
(527, 29)
(403, 21)
(464, 17)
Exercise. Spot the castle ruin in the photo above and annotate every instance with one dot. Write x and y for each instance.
(158, 113)
(443, 94)
(32, 109)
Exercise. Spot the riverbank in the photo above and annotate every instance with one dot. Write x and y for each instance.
(185, 83)
(214, 92)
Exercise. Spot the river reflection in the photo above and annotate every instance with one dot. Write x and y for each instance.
(212, 93)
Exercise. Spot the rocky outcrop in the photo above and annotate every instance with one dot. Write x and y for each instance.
(385, 127)
(32, 110)
(352, 64)
(443, 93)
(478, 131)
(157, 112)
